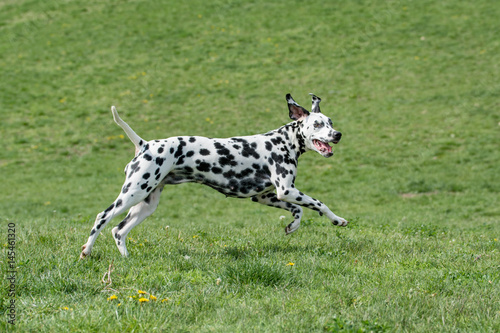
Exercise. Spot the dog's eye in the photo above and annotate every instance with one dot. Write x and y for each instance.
(318, 125)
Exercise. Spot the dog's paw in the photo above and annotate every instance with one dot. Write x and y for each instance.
(84, 253)
(292, 227)
(340, 222)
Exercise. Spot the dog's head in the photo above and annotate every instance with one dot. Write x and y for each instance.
(317, 128)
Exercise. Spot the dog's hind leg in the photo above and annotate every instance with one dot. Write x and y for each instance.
(135, 216)
(271, 199)
(119, 206)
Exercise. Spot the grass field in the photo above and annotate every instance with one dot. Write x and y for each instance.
(412, 85)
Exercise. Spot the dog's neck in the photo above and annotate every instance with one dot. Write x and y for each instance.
(292, 132)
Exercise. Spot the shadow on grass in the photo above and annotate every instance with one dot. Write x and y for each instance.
(258, 250)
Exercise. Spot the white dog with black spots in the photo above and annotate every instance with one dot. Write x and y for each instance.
(262, 167)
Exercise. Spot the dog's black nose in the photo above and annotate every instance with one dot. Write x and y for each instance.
(337, 135)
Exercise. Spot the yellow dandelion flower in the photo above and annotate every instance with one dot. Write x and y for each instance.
(143, 299)
(64, 308)
(290, 264)
(152, 297)
(119, 304)
(164, 300)
(141, 292)
(121, 136)
(112, 297)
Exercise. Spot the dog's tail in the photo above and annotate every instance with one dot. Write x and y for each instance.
(136, 139)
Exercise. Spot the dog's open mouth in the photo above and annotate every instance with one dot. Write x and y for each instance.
(323, 147)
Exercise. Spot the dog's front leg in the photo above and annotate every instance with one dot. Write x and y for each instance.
(292, 195)
(270, 199)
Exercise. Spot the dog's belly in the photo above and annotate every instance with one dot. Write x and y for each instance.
(237, 186)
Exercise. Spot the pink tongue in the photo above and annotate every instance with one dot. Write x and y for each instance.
(323, 146)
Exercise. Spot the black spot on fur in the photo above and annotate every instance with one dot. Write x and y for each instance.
(204, 152)
(159, 161)
(122, 223)
(192, 139)
(148, 157)
(146, 175)
(179, 150)
(101, 223)
(126, 188)
(250, 150)
(134, 167)
(119, 203)
(269, 146)
(221, 150)
(190, 153)
(216, 170)
(144, 186)
(229, 174)
(203, 166)
(227, 161)
(180, 160)
(160, 150)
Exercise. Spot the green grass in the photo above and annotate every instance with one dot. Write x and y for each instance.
(412, 85)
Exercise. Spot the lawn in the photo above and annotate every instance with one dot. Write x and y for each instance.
(412, 85)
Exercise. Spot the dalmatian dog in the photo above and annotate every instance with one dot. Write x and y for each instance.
(262, 167)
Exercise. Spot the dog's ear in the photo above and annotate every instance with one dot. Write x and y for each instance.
(315, 103)
(296, 111)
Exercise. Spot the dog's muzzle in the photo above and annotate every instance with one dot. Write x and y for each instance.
(324, 147)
